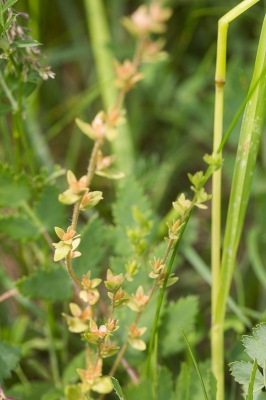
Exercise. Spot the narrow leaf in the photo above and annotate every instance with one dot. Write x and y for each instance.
(252, 381)
(196, 365)
(8, 4)
(25, 43)
(117, 388)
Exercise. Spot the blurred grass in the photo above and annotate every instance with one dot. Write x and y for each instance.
(170, 115)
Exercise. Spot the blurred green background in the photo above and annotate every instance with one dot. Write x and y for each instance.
(170, 118)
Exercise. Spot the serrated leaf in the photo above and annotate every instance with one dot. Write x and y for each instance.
(183, 313)
(242, 371)
(256, 345)
(165, 384)
(19, 228)
(13, 190)
(8, 4)
(117, 388)
(9, 357)
(208, 379)
(183, 383)
(92, 249)
(53, 285)
(130, 194)
(25, 43)
(142, 391)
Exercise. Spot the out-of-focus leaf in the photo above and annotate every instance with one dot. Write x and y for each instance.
(19, 228)
(9, 357)
(14, 190)
(52, 285)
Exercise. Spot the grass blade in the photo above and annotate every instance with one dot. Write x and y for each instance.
(196, 365)
(252, 381)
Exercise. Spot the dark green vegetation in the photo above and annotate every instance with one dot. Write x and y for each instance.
(170, 118)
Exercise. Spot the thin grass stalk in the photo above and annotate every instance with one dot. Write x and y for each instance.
(242, 178)
(104, 58)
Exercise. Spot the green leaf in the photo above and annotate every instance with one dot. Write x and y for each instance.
(70, 374)
(53, 285)
(5, 109)
(14, 190)
(183, 383)
(256, 345)
(196, 366)
(19, 228)
(9, 358)
(252, 381)
(165, 384)
(183, 313)
(53, 394)
(9, 22)
(111, 173)
(242, 371)
(33, 391)
(117, 388)
(92, 249)
(142, 391)
(25, 43)
(74, 393)
(8, 4)
(48, 210)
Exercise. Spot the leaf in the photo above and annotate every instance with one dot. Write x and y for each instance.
(183, 313)
(196, 366)
(117, 388)
(8, 4)
(53, 394)
(9, 22)
(189, 383)
(19, 228)
(129, 194)
(256, 345)
(142, 391)
(14, 190)
(183, 383)
(9, 358)
(33, 391)
(5, 109)
(252, 381)
(74, 393)
(111, 173)
(165, 384)
(25, 43)
(52, 285)
(70, 374)
(242, 371)
(48, 210)
(92, 249)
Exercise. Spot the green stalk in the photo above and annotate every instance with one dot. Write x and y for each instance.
(101, 39)
(242, 178)
(52, 351)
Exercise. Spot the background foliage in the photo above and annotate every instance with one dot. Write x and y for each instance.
(170, 116)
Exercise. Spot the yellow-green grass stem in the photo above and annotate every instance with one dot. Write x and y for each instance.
(242, 178)
(104, 59)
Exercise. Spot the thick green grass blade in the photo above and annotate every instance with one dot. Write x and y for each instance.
(101, 40)
(243, 172)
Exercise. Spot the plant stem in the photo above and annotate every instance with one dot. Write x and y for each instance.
(223, 24)
(52, 350)
(100, 38)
